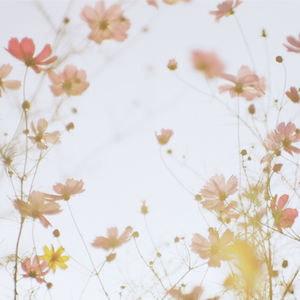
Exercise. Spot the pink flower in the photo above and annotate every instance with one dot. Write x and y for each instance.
(293, 94)
(7, 84)
(216, 191)
(37, 207)
(112, 241)
(193, 295)
(24, 51)
(246, 84)
(294, 44)
(71, 81)
(172, 64)
(41, 138)
(65, 191)
(34, 269)
(208, 63)
(165, 136)
(225, 9)
(171, 2)
(214, 248)
(152, 3)
(282, 138)
(104, 23)
(283, 218)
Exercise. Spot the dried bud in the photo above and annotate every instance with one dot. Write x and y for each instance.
(56, 233)
(70, 126)
(263, 33)
(176, 239)
(111, 257)
(277, 167)
(135, 234)
(169, 151)
(251, 109)
(66, 20)
(285, 263)
(74, 110)
(158, 254)
(26, 105)
(144, 208)
(244, 152)
(172, 64)
(279, 59)
(164, 137)
(198, 197)
(293, 95)
(49, 285)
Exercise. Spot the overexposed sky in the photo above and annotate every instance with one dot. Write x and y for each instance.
(113, 148)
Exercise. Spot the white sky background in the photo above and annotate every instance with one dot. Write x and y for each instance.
(113, 148)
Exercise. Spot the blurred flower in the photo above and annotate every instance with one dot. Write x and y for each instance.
(293, 94)
(65, 191)
(165, 136)
(246, 84)
(152, 3)
(208, 63)
(7, 84)
(104, 23)
(55, 258)
(294, 44)
(225, 9)
(37, 207)
(172, 64)
(216, 191)
(112, 241)
(215, 248)
(34, 269)
(24, 51)
(174, 1)
(283, 137)
(42, 138)
(283, 218)
(71, 81)
(193, 295)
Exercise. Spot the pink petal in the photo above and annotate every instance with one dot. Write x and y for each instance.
(282, 201)
(14, 48)
(27, 47)
(46, 52)
(5, 70)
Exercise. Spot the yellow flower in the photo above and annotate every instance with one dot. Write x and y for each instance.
(54, 258)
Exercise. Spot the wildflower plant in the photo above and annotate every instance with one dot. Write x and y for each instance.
(234, 228)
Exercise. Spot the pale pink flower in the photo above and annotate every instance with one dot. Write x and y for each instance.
(41, 138)
(65, 191)
(35, 269)
(228, 212)
(225, 9)
(214, 248)
(104, 23)
(24, 51)
(282, 138)
(193, 295)
(7, 84)
(217, 190)
(112, 240)
(37, 207)
(165, 136)
(172, 64)
(71, 81)
(153, 3)
(293, 94)
(208, 63)
(294, 44)
(246, 84)
(283, 218)
(171, 2)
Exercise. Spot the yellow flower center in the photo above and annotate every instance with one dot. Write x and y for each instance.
(103, 25)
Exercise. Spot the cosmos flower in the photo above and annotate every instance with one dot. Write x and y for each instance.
(34, 269)
(105, 24)
(37, 207)
(217, 190)
(208, 63)
(41, 138)
(55, 258)
(112, 240)
(165, 136)
(293, 94)
(65, 191)
(294, 44)
(193, 295)
(283, 218)
(246, 84)
(24, 51)
(172, 64)
(225, 9)
(215, 248)
(71, 81)
(7, 84)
